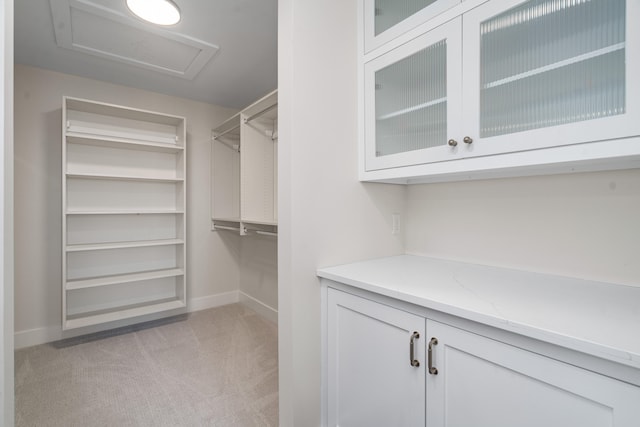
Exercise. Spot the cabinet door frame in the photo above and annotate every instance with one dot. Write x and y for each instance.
(621, 397)
(451, 31)
(607, 128)
(371, 41)
(414, 393)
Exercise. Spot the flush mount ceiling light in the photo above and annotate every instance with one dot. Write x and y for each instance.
(160, 12)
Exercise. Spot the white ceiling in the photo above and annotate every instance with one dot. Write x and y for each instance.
(241, 70)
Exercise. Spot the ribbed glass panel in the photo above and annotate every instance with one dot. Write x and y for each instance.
(411, 102)
(391, 12)
(552, 62)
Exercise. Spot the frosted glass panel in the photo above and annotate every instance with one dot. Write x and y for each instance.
(552, 62)
(411, 102)
(391, 12)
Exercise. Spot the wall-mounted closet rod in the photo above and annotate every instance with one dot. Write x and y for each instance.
(261, 232)
(224, 227)
(223, 133)
(259, 113)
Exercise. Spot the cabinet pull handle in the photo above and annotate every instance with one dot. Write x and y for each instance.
(414, 362)
(467, 140)
(432, 369)
(452, 143)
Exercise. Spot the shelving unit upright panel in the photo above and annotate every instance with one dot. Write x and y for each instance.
(225, 172)
(124, 201)
(258, 162)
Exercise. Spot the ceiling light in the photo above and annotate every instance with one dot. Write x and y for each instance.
(160, 12)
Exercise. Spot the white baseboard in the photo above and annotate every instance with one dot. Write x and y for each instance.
(31, 337)
(211, 301)
(259, 307)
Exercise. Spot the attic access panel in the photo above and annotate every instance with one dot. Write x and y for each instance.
(88, 27)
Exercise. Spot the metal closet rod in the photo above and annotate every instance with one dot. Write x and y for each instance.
(259, 113)
(224, 227)
(261, 232)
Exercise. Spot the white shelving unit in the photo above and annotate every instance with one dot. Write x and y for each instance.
(244, 170)
(124, 201)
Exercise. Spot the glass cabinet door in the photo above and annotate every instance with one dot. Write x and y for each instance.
(387, 19)
(412, 100)
(543, 73)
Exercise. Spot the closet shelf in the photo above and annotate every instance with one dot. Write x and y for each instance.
(230, 126)
(123, 312)
(123, 178)
(124, 212)
(435, 102)
(116, 279)
(123, 245)
(74, 137)
(262, 113)
(223, 219)
(566, 62)
(256, 222)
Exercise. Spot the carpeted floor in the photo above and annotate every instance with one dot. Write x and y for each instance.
(216, 367)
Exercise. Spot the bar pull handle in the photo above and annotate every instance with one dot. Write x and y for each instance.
(432, 369)
(414, 362)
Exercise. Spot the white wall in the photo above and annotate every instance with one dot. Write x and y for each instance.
(259, 274)
(326, 216)
(583, 225)
(213, 274)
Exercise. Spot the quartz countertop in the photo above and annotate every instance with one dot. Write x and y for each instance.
(601, 319)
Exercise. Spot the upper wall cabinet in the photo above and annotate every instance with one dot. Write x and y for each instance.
(505, 88)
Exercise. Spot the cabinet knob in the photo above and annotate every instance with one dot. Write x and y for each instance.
(467, 140)
(452, 142)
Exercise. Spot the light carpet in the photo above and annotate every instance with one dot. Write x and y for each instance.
(216, 367)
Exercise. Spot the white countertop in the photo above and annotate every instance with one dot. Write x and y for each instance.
(600, 319)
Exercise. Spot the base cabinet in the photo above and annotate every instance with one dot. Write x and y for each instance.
(483, 382)
(379, 373)
(371, 378)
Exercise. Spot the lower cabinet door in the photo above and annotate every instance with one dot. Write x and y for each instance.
(485, 383)
(375, 366)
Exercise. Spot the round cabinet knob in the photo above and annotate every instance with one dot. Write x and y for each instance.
(452, 142)
(467, 140)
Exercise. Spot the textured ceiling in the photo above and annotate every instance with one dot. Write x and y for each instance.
(241, 71)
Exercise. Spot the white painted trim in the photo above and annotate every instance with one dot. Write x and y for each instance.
(211, 301)
(259, 307)
(7, 397)
(36, 336)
